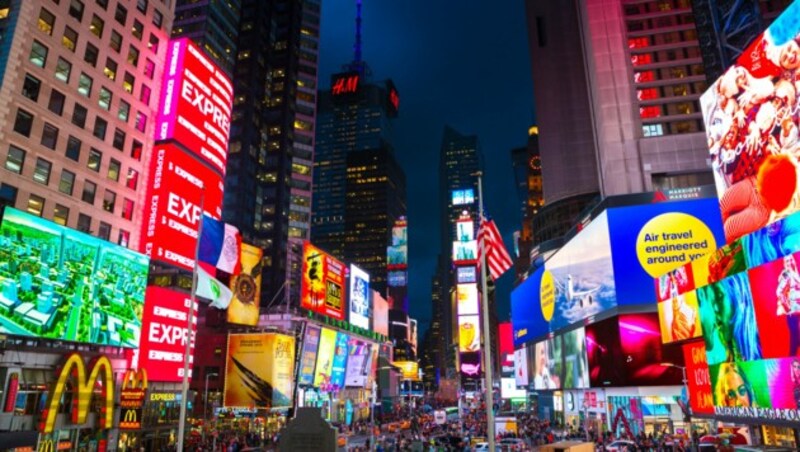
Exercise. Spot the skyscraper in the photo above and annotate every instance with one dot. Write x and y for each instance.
(268, 179)
(212, 25)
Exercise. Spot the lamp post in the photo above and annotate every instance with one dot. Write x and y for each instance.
(688, 399)
(205, 405)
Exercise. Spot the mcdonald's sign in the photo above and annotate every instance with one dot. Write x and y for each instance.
(100, 381)
(48, 444)
(130, 419)
(133, 389)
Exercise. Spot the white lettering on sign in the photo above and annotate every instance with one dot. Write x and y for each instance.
(191, 127)
(169, 313)
(183, 208)
(186, 175)
(178, 259)
(182, 228)
(166, 334)
(156, 355)
(193, 93)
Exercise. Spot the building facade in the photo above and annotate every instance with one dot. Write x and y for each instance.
(213, 25)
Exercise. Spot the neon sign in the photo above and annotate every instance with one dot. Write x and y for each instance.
(131, 399)
(346, 83)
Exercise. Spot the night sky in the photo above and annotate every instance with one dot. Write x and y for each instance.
(464, 64)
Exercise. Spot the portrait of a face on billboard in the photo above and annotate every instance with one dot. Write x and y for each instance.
(680, 318)
(547, 364)
(773, 242)
(671, 284)
(576, 367)
(776, 297)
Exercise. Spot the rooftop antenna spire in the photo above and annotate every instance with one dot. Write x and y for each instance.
(357, 45)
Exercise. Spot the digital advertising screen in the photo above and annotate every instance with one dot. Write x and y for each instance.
(344, 84)
(462, 197)
(698, 377)
(408, 369)
(521, 367)
(467, 298)
(725, 261)
(339, 368)
(465, 252)
(576, 366)
(776, 298)
(548, 364)
(675, 282)
(750, 124)
(397, 278)
(359, 364)
(773, 242)
(397, 252)
(508, 389)
(465, 230)
(246, 287)
(58, 283)
(643, 353)
(164, 335)
(259, 371)
(469, 336)
(196, 101)
(527, 312)
(325, 356)
(308, 357)
(470, 365)
(359, 297)
(380, 314)
(178, 183)
(322, 288)
(604, 354)
(679, 318)
(466, 275)
(505, 347)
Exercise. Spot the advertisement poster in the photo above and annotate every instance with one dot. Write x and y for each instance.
(679, 318)
(465, 230)
(576, 367)
(776, 298)
(467, 298)
(325, 355)
(470, 365)
(196, 101)
(339, 367)
(750, 124)
(773, 242)
(465, 252)
(359, 297)
(643, 353)
(506, 349)
(322, 287)
(521, 367)
(259, 372)
(58, 283)
(308, 358)
(380, 314)
(604, 354)
(527, 318)
(397, 252)
(246, 288)
(675, 282)
(548, 366)
(698, 378)
(359, 364)
(469, 337)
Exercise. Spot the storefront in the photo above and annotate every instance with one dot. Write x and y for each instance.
(779, 436)
(160, 417)
(632, 411)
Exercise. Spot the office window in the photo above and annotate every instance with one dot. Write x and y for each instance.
(73, 148)
(61, 215)
(652, 130)
(141, 5)
(109, 200)
(8, 193)
(23, 123)
(124, 238)
(124, 110)
(104, 231)
(103, 3)
(111, 69)
(89, 190)
(85, 85)
(104, 100)
(95, 159)
(63, 69)
(46, 21)
(49, 136)
(137, 29)
(31, 87)
(100, 127)
(121, 14)
(141, 121)
(149, 68)
(67, 182)
(38, 54)
(84, 223)
(79, 115)
(41, 173)
(132, 181)
(15, 159)
(158, 18)
(133, 55)
(114, 168)
(70, 39)
(127, 82)
(76, 9)
(35, 205)
(136, 150)
(152, 44)
(90, 55)
(119, 139)
(56, 102)
(144, 94)
(116, 41)
(97, 25)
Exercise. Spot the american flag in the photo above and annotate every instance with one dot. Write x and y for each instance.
(497, 258)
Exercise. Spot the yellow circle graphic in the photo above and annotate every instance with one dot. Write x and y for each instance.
(671, 240)
(547, 295)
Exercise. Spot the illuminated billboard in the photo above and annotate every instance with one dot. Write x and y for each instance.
(467, 298)
(397, 252)
(308, 358)
(380, 314)
(259, 371)
(325, 355)
(548, 367)
(521, 367)
(392, 99)
(178, 183)
(505, 348)
(680, 318)
(246, 287)
(462, 197)
(465, 275)
(322, 288)
(576, 367)
(750, 123)
(508, 389)
(359, 364)
(359, 297)
(339, 367)
(397, 278)
(345, 83)
(408, 369)
(469, 337)
(465, 230)
(164, 335)
(196, 101)
(58, 283)
(465, 252)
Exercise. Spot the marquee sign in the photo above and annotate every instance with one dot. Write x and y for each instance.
(131, 399)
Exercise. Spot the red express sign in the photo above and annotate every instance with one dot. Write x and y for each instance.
(164, 334)
(196, 101)
(172, 209)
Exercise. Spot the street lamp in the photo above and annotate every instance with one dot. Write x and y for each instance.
(205, 405)
(688, 398)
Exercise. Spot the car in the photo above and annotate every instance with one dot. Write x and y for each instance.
(481, 447)
(341, 441)
(621, 446)
(511, 444)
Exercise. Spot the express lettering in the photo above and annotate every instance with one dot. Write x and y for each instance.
(199, 100)
(167, 334)
(183, 208)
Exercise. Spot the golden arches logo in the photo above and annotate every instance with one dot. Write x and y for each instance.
(47, 445)
(130, 416)
(134, 379)
(100, 368)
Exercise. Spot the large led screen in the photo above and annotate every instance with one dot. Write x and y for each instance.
(58, 283)
(643, 353)
(465, 230)
(308, 357)
(679, 318)
(548, 365)
(325, 356)
(380, 314)
(776, 298)
(196, 101)
(469, 333)
(465, 252)
(259, 371)
(698, 378)
(773, 242)
(527, 316)
(164, 335)
(604, 354)
(359, 364)
(470, 365)
(461, 197)
(322, 287)
(397, 252)
(752, 129)
(467, 299)
(177, 186)
(339, 367)
(359, 297)
(506, 349)
(521, 367)
(576, 367)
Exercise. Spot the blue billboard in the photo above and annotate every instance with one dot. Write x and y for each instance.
(527, 321)
(339, 368)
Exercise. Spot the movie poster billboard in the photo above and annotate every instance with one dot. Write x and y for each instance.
(246, 288)
(359, 364)
(325, 354)
(308, 357)
(259, 371)
(380, 314)
(58, 283)
(339, 368)
(521, 367)
(322, 288)
(751, 128)
(359, 297)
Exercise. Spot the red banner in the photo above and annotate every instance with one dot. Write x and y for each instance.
(700, 395)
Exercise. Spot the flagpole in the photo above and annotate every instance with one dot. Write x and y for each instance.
(187, 354)
(487, 339)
